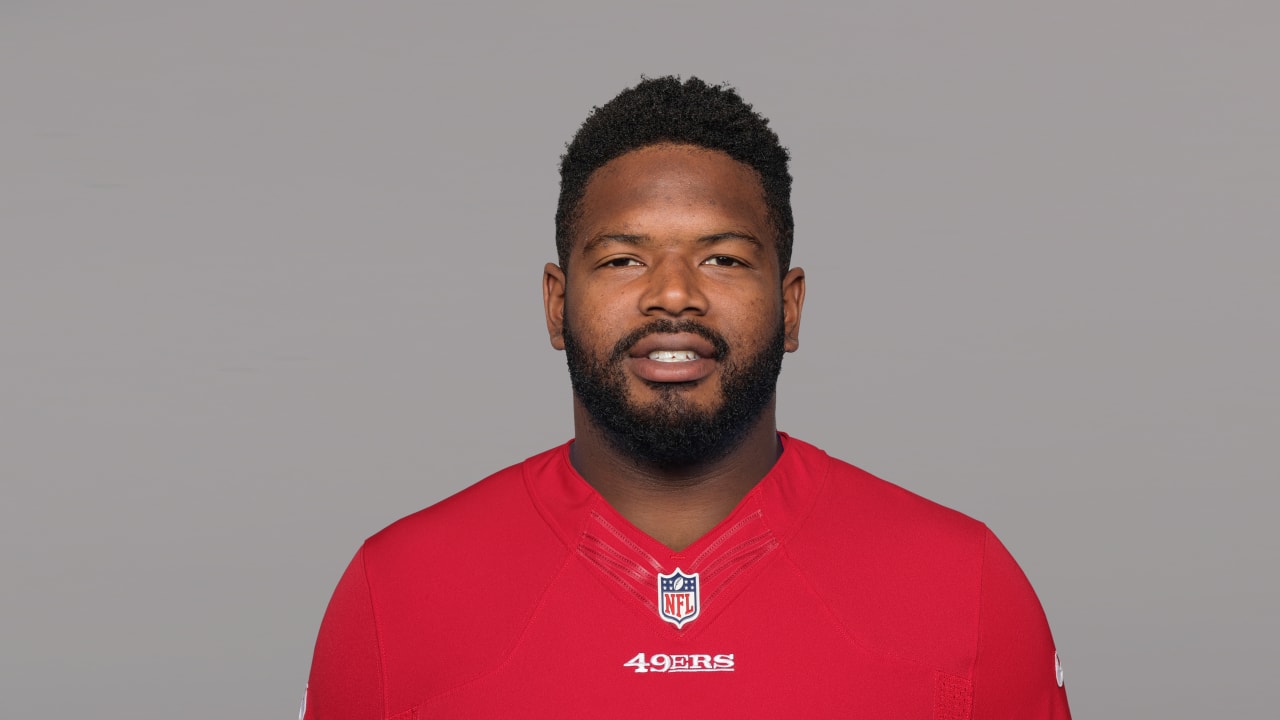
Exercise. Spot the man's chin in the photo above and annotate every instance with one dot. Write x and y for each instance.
(670, 400)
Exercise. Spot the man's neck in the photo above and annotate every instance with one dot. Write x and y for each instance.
(673, 506)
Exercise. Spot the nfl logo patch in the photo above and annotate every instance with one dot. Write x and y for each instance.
(678, 598)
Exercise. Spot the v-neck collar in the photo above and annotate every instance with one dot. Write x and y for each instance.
(630, 561)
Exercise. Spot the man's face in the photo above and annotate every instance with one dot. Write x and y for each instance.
(672, 312)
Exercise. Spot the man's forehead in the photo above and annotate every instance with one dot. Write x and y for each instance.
(674, 182)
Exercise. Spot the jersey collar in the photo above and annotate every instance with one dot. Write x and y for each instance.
(782, 498)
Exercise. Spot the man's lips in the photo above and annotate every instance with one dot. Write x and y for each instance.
(672, 358)
(672, 342)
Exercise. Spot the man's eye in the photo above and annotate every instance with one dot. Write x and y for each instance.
(622, 262)
(723, 261)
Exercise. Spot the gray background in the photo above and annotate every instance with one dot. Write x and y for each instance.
(269, 280)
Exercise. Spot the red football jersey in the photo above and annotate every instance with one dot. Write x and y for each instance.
(826, 593)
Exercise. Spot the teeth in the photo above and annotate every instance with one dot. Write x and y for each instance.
(673, 355)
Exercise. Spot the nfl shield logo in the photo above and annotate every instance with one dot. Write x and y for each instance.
(678, 598)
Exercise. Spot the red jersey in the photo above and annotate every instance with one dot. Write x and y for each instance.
(826, 593)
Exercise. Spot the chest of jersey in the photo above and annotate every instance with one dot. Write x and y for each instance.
(766, 649)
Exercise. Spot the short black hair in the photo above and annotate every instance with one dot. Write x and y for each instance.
(667, 110)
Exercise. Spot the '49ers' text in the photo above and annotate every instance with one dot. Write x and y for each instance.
(662, 663)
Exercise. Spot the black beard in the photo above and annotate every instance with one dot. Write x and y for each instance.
(671, 433)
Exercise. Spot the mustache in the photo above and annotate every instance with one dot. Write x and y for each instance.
(622, 348)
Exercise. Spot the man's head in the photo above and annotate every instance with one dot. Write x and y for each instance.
(666, 110)
(672, 300)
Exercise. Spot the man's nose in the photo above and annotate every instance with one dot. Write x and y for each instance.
(674, 288)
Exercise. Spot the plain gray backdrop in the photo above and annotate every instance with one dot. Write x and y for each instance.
(269, 280)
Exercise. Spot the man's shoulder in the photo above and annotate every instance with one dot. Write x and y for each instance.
(461, 577)
(853, 496)
(901, 572)
(494, 512)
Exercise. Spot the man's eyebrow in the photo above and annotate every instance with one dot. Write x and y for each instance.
(628, 239)
(709, 239)
(623, 238)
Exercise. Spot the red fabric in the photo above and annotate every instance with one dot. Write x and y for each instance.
(826, 593)
(346, 671)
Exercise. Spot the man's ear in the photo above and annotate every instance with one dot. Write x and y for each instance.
(792, 305)
(553, 303)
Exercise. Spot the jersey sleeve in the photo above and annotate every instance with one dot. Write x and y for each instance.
(346, 681)
(1016, 670)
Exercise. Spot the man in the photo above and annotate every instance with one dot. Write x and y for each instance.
(680, 557)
